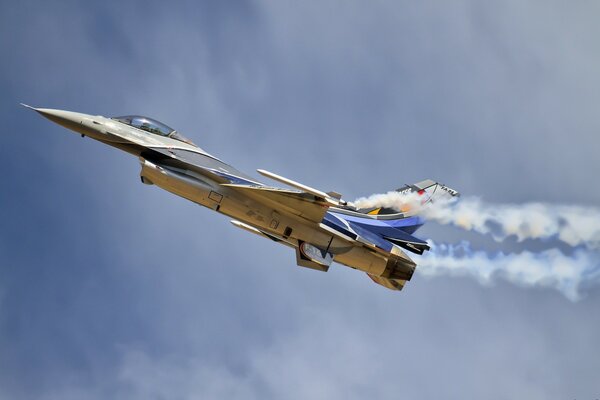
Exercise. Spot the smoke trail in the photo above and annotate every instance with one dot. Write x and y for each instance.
(576, 226)
(573, 225)
(550, 268)
(399, 201)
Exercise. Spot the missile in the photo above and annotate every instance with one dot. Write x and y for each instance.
(331, 197)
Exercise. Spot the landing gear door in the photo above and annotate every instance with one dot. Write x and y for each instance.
(312, 257)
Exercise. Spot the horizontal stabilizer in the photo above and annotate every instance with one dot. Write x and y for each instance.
(407, 241)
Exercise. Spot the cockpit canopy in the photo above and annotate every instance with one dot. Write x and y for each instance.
(152, 126)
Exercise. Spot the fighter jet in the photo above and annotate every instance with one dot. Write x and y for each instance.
(319, 226)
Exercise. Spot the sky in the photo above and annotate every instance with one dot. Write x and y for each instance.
(114, 289)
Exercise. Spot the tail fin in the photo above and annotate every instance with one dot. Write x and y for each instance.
(416, 196)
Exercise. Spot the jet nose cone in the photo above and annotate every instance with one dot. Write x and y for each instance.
(68, 119)
(58, 116)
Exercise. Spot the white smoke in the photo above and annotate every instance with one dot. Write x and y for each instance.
(576, 226)
(550, 268)
(398, 201)
(573, 225)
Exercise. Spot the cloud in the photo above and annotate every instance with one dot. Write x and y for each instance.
(110, 286)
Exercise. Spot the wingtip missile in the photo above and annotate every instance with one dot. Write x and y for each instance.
(332, 197)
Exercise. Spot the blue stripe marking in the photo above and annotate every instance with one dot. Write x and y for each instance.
(374, 230)
(395, 223)
(334, 223)
(392, 233)
(372, 237)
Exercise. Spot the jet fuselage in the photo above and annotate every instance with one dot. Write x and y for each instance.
(320, 226)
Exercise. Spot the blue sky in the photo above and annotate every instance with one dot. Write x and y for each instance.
(110, 288)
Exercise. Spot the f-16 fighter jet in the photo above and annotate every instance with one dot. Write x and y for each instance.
(319, 226)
